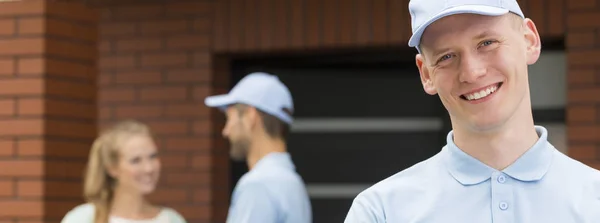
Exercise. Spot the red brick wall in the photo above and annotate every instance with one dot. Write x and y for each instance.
(155, 66)
(267, 25)
(583, 45)
(47, 106)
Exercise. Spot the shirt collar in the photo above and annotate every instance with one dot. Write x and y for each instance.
(531, 166)
(275, 160)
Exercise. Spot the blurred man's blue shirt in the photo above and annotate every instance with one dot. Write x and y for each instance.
(543, 185)
(272, 192)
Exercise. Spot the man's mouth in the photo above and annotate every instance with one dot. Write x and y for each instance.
(482, 93)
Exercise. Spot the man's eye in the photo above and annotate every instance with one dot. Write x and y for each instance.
(487, 43)
(445, 57)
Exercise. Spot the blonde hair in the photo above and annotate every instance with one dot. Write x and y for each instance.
(99, 184)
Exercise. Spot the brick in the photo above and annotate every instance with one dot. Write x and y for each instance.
(197, 75)
(169, 195)
(581, 39)
(138, 77)
(163, 93)
(581, 114)
(176, 161)
(188, 41)
(584, 20)
(22, 168)
(116, 29)
(65, 170)
(72, 30)
(189, 8)
(583, 57)
(138, 44)
(201, 92)
(202, 25)
(62, 28)
(164, 26)
(188, 178)
(22, 8)
(70, 128)
(116, 95)
(581, 76)
(7, 107)
(105, 46)
(204, 127)
(75, 11)
(202, 162)
(21, 127)
(30, 86)
(21, 208)
(164, 60)
(7, 67)
(7, 188)
(7, 27)
(7, 148)
(71, 50)
(71, 69)
(50, 148)
(187, 110)
(167, 127)
(22, 46)
(202, 196)
(583, 151)
(71, 89)
(581, 4)
(71, 109)
(202, 59)
(105, 113)
(583, 133)
(196, 144)
(105, 79)
(31, 106)
(587, 94)
(138, 111)
(137, 11)
(48, 189)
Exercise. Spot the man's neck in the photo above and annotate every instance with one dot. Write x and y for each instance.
(263, 146)
(501, 147)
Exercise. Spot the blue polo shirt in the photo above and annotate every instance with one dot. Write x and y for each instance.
(271, 192)
(543, 185)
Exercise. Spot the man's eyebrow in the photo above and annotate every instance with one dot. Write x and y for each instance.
(485, 34)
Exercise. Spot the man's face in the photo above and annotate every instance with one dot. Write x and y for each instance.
(237, 131)
(478, 67)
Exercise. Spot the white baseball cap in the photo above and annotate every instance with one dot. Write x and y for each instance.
(260, 90)
(424, 12)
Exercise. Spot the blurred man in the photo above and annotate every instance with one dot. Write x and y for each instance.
(497, 165)
(259, 114)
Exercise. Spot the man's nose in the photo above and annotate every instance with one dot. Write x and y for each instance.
(472, 68)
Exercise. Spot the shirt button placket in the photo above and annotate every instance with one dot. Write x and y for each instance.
(502, 198)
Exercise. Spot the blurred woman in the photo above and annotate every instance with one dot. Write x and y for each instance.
(123, 168)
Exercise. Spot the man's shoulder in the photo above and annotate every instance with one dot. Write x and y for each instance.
(571, 167)
(408, 180)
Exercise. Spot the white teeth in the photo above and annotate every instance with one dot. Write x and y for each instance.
(482, 93)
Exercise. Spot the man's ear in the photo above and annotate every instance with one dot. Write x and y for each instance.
(426, 79)
(533, 41)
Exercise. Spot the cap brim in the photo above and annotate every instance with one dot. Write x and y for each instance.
(219, 101)
(470, 9)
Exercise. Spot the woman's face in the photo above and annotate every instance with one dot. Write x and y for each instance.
(138, 168)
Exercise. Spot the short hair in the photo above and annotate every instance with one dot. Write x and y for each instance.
(273, 126)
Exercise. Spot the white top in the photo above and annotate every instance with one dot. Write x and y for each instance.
(85, 214)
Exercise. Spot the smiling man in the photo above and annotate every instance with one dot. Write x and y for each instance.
(497, 165)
